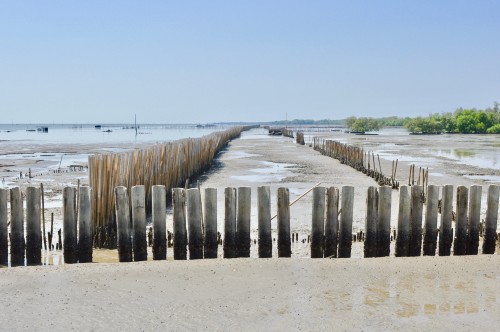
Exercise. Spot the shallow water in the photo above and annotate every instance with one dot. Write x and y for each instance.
(88, 134)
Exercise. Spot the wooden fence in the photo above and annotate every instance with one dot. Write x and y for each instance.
(357, 158)
(196, 236)
(169, 164)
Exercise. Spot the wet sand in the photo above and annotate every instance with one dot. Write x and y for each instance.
(411, 294)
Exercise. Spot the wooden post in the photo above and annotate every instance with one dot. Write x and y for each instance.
(70, 242)
(122, 224)
(33, 232)
(491, 220)
(264, 216)
(384, 221)
(230, 223)
(284, 243)
(370, 244)
(415, 248)
(445, 231)
(17, 244)
(460, 243)
(210, 223)
(43, 218)
(51, 237)
(430, 232)
(4, 232)
(140, 244)
(345, 231)
(404, 214)
(332, 222)
(318, 222)
(85, 225)
(195, 238)
(180, 232)
(474, 219)
(243, 222)
(159, 219)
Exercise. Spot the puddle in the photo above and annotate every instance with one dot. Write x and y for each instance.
(479, 158)
(420, 161)
(273, 172)
(436, 174)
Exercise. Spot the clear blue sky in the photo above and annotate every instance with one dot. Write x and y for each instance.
(206, 61)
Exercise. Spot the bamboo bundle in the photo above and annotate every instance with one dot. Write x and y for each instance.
(300, 138)
(169, 164)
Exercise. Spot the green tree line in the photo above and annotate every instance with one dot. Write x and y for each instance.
(465, 121)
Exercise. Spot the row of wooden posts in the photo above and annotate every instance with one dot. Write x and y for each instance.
(77, 225)
(169, 164)
(287, 132)
(195, 233)
(300, 138)
(357, 158)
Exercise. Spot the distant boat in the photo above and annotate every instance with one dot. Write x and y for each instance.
(107, 131)
(30, 130)
(43, 129)
(98, 126)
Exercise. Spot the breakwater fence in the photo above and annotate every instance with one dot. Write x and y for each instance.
(169, 164)
(428, 228)
(357, 158)
(300, 138)
(363, 161)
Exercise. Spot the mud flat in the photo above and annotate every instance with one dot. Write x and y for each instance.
(415, 294)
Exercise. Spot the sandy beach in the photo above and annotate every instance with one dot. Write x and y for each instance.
(411, 294)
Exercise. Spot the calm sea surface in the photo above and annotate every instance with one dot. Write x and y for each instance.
(89, 134)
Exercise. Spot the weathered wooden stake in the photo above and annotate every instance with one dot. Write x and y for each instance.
(195, 237)
(318, 222)
(17, 244)
(230, 223)
(284, 243)
(370, 244)
(404, 214)
(140, 244)
(460, 243)
(243, 222)
(210, 223)
(415, 248)
(445, 231)
(491, 220)
(332, 222)
(345, 230)
(180, 236)
(51, 237)
(159, 219)
(264, 216)
(123, 228)
(4, 233)
(43, 218)
(384, 221)
(33, 232)
(70, 242)
(85, 225)
(474, 220)
(430, 226)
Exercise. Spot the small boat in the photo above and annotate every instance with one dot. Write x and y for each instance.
(107, 131)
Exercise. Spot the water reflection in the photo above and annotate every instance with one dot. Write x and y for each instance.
(423, 296)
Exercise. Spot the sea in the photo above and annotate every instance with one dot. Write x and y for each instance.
(102, 133)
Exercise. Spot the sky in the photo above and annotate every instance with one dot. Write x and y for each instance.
(188, 61)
